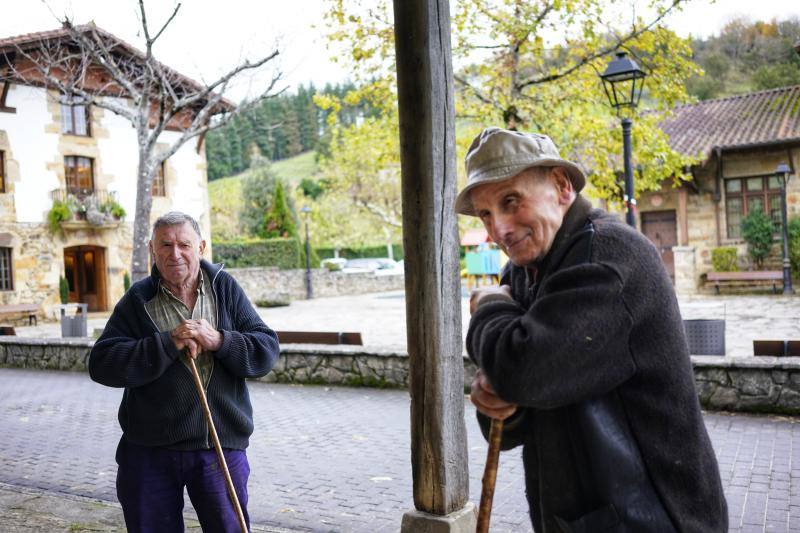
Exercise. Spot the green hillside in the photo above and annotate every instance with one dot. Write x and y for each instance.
(225, 194)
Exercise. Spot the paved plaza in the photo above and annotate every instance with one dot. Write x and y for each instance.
(381, 318)
(336, 459)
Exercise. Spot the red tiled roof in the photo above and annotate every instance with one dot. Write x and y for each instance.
(763, 117)
(474, 237)
(30, 40)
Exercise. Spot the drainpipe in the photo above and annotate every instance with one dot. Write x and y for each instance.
(717, 191)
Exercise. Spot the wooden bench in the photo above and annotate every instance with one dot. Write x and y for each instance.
(777, 348)
(21, 309)
(319, 337)
(746, 278)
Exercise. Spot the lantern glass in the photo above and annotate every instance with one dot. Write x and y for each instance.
(623, 81)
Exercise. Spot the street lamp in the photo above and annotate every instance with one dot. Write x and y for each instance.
(309, 290)
(783, 176)
(623, 81)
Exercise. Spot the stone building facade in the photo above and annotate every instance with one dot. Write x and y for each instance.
(740, 142)
(54, 150)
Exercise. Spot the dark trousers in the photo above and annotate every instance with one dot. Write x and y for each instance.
(150, 484)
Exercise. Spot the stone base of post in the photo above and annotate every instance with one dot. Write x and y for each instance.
(464, 520)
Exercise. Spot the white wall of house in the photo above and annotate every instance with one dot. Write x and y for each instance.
(119, 159)
(35, 147)
(32, 148)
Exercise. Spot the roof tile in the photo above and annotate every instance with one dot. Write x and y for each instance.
(762, 117)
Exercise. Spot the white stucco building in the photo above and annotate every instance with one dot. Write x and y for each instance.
(57, 151)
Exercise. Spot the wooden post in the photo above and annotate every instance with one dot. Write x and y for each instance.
(433, 292)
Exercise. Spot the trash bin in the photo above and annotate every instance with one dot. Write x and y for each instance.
(705, 336)
(74, 325)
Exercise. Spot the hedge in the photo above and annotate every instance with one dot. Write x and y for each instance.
(365, 251)
(281, 253)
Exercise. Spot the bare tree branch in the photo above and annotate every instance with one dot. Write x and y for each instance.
(87, 62)
(599, 53)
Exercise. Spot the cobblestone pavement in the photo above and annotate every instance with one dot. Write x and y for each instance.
(380, 318)
(337, 459)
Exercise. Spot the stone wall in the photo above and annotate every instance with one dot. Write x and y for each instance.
(752, 384)
(270, 283)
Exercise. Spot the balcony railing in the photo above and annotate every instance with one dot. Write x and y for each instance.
(92, 206)
(84, 197)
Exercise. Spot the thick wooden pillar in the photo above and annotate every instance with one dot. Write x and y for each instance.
(433, 292)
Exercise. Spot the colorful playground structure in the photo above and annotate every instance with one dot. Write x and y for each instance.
(483, 259)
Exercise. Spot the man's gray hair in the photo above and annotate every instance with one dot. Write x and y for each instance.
(175, 218)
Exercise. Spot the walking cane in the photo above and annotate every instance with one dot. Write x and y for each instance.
(217, 446)
(490, 475)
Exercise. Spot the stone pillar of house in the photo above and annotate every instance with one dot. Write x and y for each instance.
(686, 280)
(433, 291)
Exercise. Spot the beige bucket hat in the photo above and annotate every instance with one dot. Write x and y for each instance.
(497, 155)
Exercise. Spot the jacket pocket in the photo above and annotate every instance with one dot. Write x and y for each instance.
(603, 519)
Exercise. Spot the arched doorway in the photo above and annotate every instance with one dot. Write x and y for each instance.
(85, 270)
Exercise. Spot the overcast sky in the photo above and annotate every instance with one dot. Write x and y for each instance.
(210, 36)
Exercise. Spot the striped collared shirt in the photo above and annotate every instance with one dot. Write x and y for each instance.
(168, 312)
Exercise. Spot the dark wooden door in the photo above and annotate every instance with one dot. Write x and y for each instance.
(84, 268)
(662, 230)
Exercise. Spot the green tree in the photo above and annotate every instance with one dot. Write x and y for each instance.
(757, 231)
(746, 56)
(258, 190)
(279, 221)
(516, 74)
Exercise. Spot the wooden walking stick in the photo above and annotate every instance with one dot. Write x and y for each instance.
(490, 475)
(217, 446)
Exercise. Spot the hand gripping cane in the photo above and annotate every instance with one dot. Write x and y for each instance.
(490, 475)
(217, 446)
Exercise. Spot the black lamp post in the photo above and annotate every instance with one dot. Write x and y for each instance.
(623, 81)
(309, 289)
(783, 176)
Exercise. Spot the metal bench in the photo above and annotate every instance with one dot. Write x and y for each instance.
(319, 337)
(746, 278)
(20, 309)
(777, 348)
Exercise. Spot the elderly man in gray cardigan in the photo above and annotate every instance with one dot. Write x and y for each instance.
(581, 351)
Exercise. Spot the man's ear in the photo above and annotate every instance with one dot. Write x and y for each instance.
(563, 184)
(202, 247)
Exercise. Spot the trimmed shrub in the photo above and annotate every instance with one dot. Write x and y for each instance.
(757, 231)
(723, 259)
(126, 281)
(63, 290)
(281, 253)
(364, 251)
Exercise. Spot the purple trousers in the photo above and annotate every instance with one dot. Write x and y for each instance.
(150, 484)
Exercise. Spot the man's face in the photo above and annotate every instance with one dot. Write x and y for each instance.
(177, 251)
(523, 214)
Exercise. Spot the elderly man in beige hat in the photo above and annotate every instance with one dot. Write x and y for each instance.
(581, 351)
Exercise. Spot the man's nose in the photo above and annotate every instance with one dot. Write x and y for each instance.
(503, 226)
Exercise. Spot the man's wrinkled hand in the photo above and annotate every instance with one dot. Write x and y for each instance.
(188, 347)
(479, 293)
(201, 332)
(487, 401)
